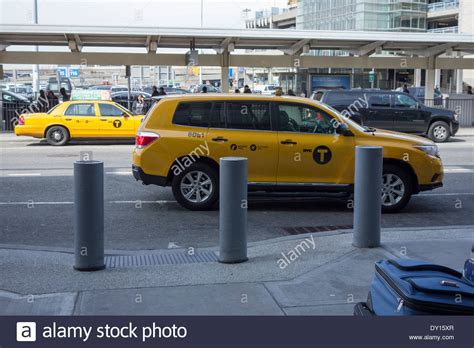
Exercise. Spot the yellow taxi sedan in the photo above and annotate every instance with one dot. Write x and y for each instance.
(80, 120)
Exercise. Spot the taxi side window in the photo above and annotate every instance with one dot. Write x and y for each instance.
(80, 110)
(195, 114)
(303, 119)
(217, 116)
(110, 110)
(248, 115)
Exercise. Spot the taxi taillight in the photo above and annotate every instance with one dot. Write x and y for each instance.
(144, 139)
(21, 120)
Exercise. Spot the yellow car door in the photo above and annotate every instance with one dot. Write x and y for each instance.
(310, 151)
(116, 122)
(243, 129)
(81, 120)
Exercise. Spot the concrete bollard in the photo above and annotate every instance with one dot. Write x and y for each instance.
(367, 196)
(233, 210)
(89, 215)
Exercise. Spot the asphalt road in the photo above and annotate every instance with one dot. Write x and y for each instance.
(36, 195)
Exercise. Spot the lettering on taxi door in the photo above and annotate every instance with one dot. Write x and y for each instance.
(322, 154)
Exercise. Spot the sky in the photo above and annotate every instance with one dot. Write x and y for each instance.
(148, 13)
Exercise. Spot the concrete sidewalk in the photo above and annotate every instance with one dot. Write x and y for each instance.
(311, 274)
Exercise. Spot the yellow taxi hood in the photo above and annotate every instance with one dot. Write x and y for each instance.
(392, 135)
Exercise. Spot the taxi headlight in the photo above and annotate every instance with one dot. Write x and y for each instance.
(431, 150)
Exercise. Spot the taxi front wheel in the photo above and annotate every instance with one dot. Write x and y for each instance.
(57, 136)
(196, 187)
(397, 188)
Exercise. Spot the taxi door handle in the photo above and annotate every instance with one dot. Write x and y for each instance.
(68, 119)
(103, 119)
(219, 139)
(288, 142)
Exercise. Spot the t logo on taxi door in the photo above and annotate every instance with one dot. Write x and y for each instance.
(117, 123)
(322, 154)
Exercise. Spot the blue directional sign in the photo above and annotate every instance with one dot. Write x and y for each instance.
(230, 73)
(62, 72)
(73, 72)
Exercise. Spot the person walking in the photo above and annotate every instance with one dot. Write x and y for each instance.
(204, 89)
(247, 89)
(52, 99)
(290, 92)
(161, 91)
(278, 92)
(64, 96)
(139, 105)
(154, 91)
(237, 90)
(42, 101)
(405, 89)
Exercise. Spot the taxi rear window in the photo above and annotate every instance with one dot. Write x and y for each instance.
(195, 114)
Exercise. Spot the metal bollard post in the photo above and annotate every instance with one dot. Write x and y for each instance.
(233, 210)
(367, 196)
(89, 215)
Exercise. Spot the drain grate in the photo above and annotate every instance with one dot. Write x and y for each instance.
(168, 258)
(315, 229)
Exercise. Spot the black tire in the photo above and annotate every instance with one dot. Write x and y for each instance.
(192, 203)
(57, 136)
(439, 132)
(396, 172)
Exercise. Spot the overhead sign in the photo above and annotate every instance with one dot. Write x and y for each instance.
(90, 94)
(73, 72)
(62, 72)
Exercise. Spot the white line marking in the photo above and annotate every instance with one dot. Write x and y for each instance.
(447, 194)
(458, 170)
(24, 174)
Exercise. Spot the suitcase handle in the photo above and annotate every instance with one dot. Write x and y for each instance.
(427, 267)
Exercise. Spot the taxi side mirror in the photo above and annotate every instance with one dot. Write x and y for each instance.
(124, 114)
(343, 129)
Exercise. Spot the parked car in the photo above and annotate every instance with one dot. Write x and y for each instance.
(392, 110)
(210, 89)
(181, 140)
(122, 97)
(23, 90)
(10, 97)
(265, 89)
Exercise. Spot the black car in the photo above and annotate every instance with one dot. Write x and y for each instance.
(122, 96)
(392, 110)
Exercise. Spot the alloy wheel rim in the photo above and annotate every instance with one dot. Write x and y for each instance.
(196, 187)
(393, 189)
(57, 135)
(440, 132)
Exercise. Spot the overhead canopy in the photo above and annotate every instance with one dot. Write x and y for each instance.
(419, 50)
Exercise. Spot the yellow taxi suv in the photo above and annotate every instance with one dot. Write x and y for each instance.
(80, 120)
(292, 144)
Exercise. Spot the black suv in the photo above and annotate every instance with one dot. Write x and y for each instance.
(391, 110)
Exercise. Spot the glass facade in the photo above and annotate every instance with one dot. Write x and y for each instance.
(364, 15)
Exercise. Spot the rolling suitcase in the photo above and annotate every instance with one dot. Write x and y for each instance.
(411, 287)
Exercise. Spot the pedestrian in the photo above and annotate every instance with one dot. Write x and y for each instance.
(469, 89)
(405, 89)
(237, 90)
(52, 99)
(204, 89)
(161, 91)
(154, 92)
(64, 96)
(247, 89)
(139, 105)
(278, 92)
(290, 92)
(303, 93)
(42, 101)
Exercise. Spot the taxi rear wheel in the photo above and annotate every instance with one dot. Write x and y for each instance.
(397, 188)
(57, 136)
(197, 187)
